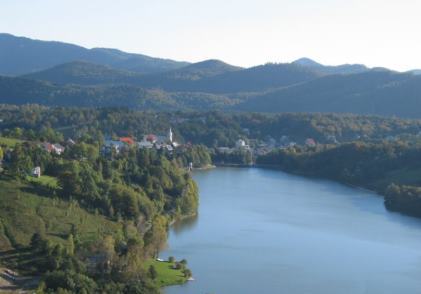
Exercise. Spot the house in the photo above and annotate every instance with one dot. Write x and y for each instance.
(240, 144)
(53, 148)
(310, 142)
(58, 149)
(151, 138)
(47, 147)
(36, 172)
(112, 145)
(127, 140)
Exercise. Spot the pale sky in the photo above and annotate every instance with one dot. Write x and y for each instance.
(241, 32)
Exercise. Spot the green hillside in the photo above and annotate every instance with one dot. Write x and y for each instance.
(25, 210)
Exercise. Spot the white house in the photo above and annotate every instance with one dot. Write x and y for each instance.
(240, 144)
(58, 149)
(36, 172)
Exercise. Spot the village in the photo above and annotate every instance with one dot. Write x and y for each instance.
(149, 141)
(166, 142)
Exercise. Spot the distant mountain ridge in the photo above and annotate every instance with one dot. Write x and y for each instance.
(20, 55)
(212, 76)
(331, 70)
(83, 73)
(109, 77)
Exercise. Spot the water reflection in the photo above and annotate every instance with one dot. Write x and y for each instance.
(185, 224)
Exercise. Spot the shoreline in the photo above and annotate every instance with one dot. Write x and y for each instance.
(307, 175)
(379, 192)
(206, 167)
(181, 218)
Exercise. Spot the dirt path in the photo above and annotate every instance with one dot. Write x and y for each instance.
(12, 282)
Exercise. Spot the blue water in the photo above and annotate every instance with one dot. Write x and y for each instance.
(264, 231)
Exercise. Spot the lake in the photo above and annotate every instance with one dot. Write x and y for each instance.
(264, 231)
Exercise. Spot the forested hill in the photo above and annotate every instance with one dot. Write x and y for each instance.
(375, 92)
(19, 55)
(210, 76)
(84, 73)
(23, 91)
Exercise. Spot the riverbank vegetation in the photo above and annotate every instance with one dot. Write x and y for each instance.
(392, 169)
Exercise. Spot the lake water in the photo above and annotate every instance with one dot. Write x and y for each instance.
(264, 232)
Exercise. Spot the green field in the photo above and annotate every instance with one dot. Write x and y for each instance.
(166, 274)
(46, 181)
(9, 142)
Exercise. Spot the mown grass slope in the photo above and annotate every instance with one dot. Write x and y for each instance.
(166, 274)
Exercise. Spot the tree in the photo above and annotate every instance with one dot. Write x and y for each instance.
(70, 245)
(156, 237)
(76, 236)
(187, 273)
(37, 241)
(153, 274)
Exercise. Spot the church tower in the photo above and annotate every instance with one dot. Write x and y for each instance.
(170, 135)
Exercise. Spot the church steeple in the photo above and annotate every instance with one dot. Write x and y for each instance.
(170, 135)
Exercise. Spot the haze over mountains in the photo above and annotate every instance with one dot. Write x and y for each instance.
(60, 74)
(20, 55)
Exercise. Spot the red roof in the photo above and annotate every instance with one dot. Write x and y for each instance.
(127, 140)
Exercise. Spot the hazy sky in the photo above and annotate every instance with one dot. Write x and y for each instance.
(241, 32)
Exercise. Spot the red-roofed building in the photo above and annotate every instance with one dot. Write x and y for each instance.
(127, 140)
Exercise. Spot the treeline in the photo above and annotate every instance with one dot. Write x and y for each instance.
(392, 169)
(209, 128)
